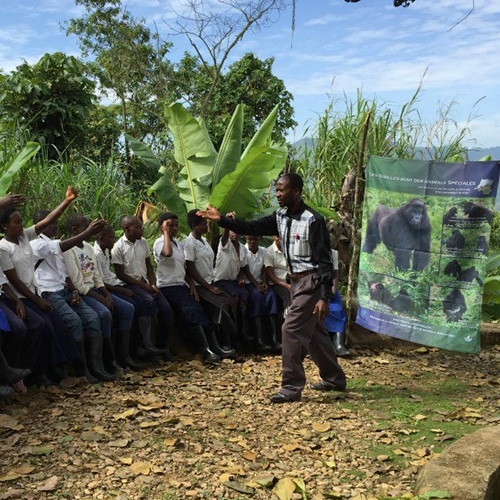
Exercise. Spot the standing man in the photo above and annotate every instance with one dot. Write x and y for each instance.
(306, 245)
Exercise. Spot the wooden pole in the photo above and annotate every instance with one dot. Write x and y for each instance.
(353, 267)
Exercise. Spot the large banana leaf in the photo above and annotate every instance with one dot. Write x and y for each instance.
(163, 187)
(230, 149)
(262, 135)
(30, 150)
(168, 195)
(493, 262)
(239, 190)
(327, 213)
(144, 153)
(491, 290)
(194, 151)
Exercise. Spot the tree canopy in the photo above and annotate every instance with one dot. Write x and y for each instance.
(52, 99)
(248, 81)
(131, 63)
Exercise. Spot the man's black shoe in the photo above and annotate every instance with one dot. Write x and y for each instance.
(281, 398)
(324, 387)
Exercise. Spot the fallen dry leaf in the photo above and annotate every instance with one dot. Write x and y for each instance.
(249, 455)
(284, 488)
(8, 422)
(49, 484)
(140, 468)
(24, 469)
(126, 414)
(240, 487)
(321, 426)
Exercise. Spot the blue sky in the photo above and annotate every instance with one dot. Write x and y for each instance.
(336, 49)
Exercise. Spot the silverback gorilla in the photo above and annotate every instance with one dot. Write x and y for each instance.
(406, 231)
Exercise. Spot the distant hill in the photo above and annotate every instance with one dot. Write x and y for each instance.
(477, 154)
(474, 154)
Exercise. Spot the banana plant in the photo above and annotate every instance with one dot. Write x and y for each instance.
(491, 290)
(6, 176)
(228, 179)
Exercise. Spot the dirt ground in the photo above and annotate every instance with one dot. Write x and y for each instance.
(178, 431)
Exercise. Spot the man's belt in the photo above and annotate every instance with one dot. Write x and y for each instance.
(297, 276)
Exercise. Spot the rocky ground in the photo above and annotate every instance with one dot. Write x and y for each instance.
(181, 431)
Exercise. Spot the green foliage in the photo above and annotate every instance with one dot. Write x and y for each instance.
(249, 82)
(131, 63)
(7, 173)
(51, 99)
(103, 134)
(103, 192)
(227, 179)
(491, 290)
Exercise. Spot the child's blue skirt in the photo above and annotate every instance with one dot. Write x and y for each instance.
(4, 324)
(336, 319)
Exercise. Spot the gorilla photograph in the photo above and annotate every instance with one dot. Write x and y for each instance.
(467, 275)
(394, 296)
(477, 212)
(482, 245)
(450, 215)
(405, 231)
(455, 242)
(454, 305)
(401, 303)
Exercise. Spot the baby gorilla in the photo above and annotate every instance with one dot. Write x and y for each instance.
(455, 242)
(453, 268)
(482, 245)
(401, 303)
(454, 305)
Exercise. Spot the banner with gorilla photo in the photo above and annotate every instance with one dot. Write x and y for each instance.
(425, 237)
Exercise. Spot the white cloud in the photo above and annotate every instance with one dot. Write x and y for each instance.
(19, 34)
(323, 20)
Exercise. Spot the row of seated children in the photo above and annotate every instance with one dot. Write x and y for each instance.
(223, 303)
(37, 336)
(257, 298)
(55, 308)
(61, 303)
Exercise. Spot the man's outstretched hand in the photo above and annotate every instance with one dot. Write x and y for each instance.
(211, 213)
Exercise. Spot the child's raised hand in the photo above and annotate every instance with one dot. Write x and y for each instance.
(96, 226)
(71, 193)
(11, 201)
(166, 226)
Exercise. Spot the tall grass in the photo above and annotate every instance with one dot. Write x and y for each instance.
(103, 192)
(337, 138)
